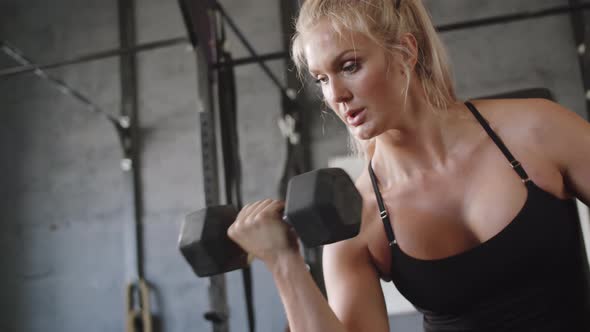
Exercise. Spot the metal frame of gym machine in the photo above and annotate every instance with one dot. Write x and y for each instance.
(201, 24)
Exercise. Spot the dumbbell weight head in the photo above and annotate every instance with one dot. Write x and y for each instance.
(323, 206)
(204, 242)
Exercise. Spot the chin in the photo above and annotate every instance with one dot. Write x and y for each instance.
(363, 134)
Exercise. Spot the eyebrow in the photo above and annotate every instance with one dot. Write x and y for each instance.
(336, 59)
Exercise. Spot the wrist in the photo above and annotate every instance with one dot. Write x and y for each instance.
(282, 262)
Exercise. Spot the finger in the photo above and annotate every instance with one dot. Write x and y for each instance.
(276, 207)
(233, 228)
(242, 215)
(244, 210)
(278, 204)
(261, 207)
(247, 210)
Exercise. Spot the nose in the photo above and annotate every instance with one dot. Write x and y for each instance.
(338, 93)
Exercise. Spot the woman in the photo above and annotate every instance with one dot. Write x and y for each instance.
(472, 229)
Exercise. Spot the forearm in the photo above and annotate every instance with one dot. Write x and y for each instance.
(307, 309)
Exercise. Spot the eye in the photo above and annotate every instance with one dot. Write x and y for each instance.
(320, 80)
(350, 67)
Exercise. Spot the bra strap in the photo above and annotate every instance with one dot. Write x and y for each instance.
(382, 211)
(513, 162)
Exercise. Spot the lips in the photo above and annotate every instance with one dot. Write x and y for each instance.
(355, 117)
(353, 113)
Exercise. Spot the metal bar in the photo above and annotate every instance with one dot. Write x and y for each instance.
(251, 50)
(278, 55)
(581, 30)
(200, 22)
(139, 315)
(96, 56)
(578, 26)
(194, 13)
(251, 60)
(229, 142)
(209, 124)
(128, 69)
(64, 88)
(527, 15)
(187, 18)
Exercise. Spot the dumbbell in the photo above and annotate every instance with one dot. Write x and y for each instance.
(323, 206)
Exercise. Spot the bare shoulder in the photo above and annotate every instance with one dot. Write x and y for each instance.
(530, 109)
(532, 120)
(557, 137)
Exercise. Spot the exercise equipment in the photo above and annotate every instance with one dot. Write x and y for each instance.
(138, 295)
(574, 7)
(323, 206)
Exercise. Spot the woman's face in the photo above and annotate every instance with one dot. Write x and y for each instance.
(359, 81)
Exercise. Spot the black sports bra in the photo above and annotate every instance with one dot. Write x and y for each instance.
(531, 276)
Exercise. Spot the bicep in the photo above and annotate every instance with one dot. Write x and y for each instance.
(353, 287)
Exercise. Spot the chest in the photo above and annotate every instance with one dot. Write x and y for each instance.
(452, 214)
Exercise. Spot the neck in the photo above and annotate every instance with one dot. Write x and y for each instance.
(420, 143)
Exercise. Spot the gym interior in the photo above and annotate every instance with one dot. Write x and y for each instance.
(120, 118)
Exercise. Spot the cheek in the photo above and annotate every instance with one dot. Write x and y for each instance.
(330, 107)
(376, 87)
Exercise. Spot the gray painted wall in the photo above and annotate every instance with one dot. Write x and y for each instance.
(63, 200)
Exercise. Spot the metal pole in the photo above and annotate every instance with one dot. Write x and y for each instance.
(581, 30)
(60, 85)
(137, 293)
(526, 15)
(218, 314)
(298, 150)
(201, 25)
(7, 72)
(251, 50)
(252, 60)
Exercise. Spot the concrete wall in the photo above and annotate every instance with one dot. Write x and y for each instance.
(63, 198)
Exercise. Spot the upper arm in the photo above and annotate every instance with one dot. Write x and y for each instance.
(353, 287)
(565, 138)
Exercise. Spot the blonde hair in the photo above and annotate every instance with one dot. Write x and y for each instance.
(385, 24)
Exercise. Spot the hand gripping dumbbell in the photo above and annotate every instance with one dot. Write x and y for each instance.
(323, 206)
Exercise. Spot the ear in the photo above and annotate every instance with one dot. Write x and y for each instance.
(408, 41)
